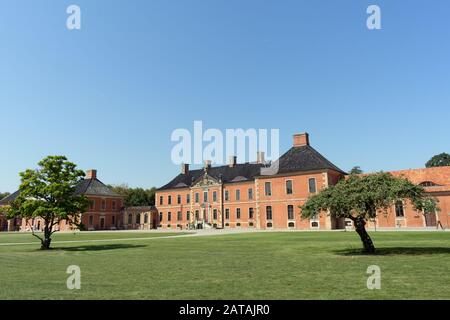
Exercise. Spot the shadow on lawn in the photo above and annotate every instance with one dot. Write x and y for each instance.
(102, 247)
(414, 251)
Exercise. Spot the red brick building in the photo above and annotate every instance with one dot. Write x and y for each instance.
(436, 182)
(104, 213)
(237, 195)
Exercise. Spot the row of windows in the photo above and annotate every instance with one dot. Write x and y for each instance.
(267, 190)
(137, 218)
(91, 220)
(103, 205)
(269, 215)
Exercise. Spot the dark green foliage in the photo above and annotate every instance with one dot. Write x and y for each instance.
(439, 160)
(135, 197)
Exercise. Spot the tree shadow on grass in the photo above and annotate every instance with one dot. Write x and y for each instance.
(101, 247)
(390, 251)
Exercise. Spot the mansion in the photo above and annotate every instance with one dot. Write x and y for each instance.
(239, 196)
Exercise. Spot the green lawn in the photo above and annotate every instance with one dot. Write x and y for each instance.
(278, 265)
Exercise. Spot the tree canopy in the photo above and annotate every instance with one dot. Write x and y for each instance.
(135, 197)
(48, 193)
(359, 198)
(356, 170)
(439, 160)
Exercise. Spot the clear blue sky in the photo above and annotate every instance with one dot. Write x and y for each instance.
(109, 96)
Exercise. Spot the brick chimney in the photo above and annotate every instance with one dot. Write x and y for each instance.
(301, 139)
(233, 160)
(91, 174)
(184, 168)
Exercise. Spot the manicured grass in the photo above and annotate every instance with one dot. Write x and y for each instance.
(265, 265)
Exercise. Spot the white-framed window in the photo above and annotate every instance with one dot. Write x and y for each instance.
(289, 189)
(269, 213)
(268, 188)
(314, 222)
(290, 212)
(312, 185)
(399, 210)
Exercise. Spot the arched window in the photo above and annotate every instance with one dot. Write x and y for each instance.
(146, 218)
(399, 210)
(269, 213)
(138, 218)
(130, 218)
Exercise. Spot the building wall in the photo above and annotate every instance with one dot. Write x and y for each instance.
(279, 201)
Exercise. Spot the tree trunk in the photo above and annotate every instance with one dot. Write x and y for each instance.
(365, 238)
(45, 243)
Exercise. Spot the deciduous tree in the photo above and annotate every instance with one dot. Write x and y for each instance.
(49, 193)
(359, 198)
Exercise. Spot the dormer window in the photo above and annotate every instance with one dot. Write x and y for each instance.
(428, 184)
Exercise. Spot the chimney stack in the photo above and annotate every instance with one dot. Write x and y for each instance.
(184, 168)
(232, 162)
(301, 139)
(91, 174)
(260, 157)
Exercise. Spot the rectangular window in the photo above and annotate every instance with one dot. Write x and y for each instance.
(188, 198)
(103, 204)
(160, 216)
(250, 194)
(227, 214)
(197, 197)
(215, 214)
(238, 195)
(179, 217)
(91, 220)
(399, 210)
(113, 220)
(214, 196)
(169, 216)
(169, 199)
(138, 218)
(160, 200)
(238, 213)
(188, 216)
(179, 199)
(197, 215)
(226, 195)
(92, 206)
(290, 209)
(312, 185)
(268, 188)
(250, 213)
(269, 213)
(288, 186)
(114, 205)
(205, 196)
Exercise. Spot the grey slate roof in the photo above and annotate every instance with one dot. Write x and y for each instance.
(6, 200)
(89, 187)
(94, 187)
(296, 159)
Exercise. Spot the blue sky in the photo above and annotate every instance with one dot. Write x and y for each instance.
(108, 96)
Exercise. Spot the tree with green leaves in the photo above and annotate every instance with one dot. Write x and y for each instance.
(439, 160)
(49, 193)
(135, 197)
(360, 198)
(356, 170)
